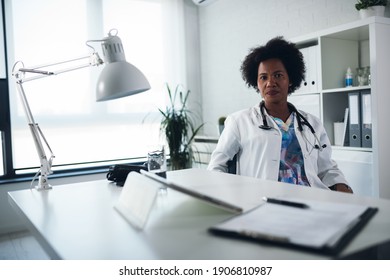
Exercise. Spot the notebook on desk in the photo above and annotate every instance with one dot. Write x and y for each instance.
(324, 227)
(199, 194)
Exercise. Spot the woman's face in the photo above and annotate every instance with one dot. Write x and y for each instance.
(273, 81)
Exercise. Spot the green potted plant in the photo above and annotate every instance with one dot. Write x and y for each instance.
(178, 126)
(369, 8)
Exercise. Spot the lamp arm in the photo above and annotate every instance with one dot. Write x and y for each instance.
(39, 139)
(37, 134)
(94, 60)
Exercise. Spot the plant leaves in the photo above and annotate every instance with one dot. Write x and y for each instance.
(178, 124)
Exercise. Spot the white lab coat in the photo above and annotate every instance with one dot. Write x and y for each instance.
(258, 150)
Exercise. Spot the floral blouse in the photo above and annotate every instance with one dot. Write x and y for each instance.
(291, 169)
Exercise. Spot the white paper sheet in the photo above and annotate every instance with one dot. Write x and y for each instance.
(322, 224)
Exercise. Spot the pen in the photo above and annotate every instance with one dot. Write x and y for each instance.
(285, 202)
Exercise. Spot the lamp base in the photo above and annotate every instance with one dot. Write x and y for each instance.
(43, 183)
(40, 188)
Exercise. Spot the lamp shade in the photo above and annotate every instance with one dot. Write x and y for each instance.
(118, 78)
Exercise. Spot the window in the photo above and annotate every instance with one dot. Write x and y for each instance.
(79, 130)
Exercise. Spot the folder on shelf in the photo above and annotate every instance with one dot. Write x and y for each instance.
(366, 127)
(355, 139)
(345, 140)
(323, 227)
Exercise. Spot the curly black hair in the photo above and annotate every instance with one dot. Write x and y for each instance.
(279, 48)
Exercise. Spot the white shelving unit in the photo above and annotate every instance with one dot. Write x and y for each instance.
(328, 54)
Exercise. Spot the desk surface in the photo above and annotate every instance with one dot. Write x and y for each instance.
(78, 221)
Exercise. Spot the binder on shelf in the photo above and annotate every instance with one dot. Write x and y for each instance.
(355, 139)
(345, 140)
(366, 127)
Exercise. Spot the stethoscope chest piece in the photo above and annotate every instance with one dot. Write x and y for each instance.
(265, 126)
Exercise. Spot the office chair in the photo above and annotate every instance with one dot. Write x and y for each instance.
(232, 165)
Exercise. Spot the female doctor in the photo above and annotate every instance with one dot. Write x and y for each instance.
(273, 140)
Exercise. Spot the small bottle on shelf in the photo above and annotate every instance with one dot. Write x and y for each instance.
(349, 78)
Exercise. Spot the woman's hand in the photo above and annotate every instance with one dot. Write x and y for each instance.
(341, 188)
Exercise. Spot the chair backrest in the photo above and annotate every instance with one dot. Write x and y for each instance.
(232, 165)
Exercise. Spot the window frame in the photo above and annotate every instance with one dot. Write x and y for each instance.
(10, 172)
(5, 115)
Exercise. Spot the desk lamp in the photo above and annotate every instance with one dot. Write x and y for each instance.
(118, 79)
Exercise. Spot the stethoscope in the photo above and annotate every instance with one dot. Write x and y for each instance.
(301, 122)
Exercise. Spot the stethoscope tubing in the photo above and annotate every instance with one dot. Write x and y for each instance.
(301, 121)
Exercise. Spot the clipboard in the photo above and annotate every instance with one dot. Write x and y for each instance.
(297, 227)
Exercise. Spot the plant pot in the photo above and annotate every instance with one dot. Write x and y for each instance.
(181, 160)
(372, 11)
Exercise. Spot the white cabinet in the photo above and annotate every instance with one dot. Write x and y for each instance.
(328, 54)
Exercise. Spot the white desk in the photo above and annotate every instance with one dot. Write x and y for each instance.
(78, 221)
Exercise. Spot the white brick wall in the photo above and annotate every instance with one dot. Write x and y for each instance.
(229, 28)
